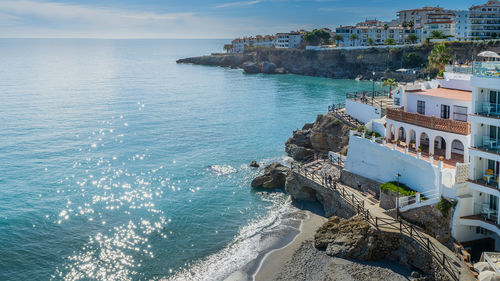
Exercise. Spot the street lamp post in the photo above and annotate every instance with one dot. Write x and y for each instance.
(373, 85)
(398, 175)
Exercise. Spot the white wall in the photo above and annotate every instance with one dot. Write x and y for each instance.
(456, 81)
(380, 163)
(433, 104)
(362, 112)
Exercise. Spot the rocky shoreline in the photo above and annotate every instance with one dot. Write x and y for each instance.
(339, 64)
(345, 235)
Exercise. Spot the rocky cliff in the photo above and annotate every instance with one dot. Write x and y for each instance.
(348, 64)
(327, 133)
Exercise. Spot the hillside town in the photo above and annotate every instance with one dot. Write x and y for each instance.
(415, 26)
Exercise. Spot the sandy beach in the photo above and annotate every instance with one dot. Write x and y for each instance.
(299, 260)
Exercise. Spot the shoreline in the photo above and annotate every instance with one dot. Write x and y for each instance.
(278, 258)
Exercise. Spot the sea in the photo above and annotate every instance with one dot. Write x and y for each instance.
(116, 163)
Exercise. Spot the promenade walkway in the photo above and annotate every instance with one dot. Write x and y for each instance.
(368, 208)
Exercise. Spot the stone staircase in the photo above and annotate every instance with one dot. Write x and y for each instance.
(346, 118)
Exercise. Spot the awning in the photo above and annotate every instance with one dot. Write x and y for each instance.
(488, 54)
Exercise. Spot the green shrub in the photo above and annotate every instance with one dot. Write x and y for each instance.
(404, 190)
(444, 206)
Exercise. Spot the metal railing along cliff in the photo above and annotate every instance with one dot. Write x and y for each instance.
(430, 247)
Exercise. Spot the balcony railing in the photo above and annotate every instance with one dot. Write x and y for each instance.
(431, 122)
(488, 109)
(482, 177)
(487, 69)
(486, 143)
(486, 212)
(458, 69)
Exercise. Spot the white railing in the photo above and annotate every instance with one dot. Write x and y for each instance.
(418, 200)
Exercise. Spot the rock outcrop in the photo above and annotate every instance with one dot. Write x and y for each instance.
(354, 238)
(274, 177)
(340, 64)
(326, 134)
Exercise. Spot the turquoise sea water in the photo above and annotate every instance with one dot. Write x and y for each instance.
(118, 164)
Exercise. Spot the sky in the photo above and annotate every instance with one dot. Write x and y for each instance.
(192, 18)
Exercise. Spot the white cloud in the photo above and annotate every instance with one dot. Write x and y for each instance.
(234, 4)
(30, 18)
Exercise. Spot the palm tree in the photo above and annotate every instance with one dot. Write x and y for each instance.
(440, 56)
(386, 26)
(437, 34)
(228, 47)
(411, 24)
(338, 38)
(389, 41)
(371, 42)
(353, 37)
(404, 24)
(412, 38)
(391, 83)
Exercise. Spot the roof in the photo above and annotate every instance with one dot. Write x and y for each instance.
(446, 93)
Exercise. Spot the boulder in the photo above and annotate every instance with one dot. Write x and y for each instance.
(274, 177)
(250, 67)
(267, 67)
(326, 134)
(254, 164)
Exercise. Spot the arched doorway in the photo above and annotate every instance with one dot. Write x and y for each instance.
(391, 133)
(412, 138)
(439, 147)
(424, 142)
(401, 134)
(457, 151)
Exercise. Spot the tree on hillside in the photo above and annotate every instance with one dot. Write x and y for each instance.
(371, 42)
(338, 38)
(412, 38)
(389, 41)
(353, 37)
(391, 83)
(437, 34)
(440, 56)
(317, 37)
(412, 60)
(228, 47)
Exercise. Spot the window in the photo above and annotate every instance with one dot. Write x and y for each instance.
(397, 101)
(460, 113)
(421, 107)
(445, 111)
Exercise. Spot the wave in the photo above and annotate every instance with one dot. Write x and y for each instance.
(241, 257)
(222, 169)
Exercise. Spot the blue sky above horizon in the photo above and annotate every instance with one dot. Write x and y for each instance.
(191, 18)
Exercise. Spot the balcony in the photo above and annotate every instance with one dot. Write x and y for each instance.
(431, 122)
(458, 69)
(487, 144)
(487, 69)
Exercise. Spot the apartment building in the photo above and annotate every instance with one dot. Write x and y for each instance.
(240, 44)
(374, 32)
(485, 20)
(462, 25)
(476, 221)
(290, 39)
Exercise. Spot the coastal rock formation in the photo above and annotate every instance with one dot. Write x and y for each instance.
(250, 67)
(432, 220)
(341, 64)
(274, 177)
(354, 238)
(254, 164)
(267, 67)
(326, 134)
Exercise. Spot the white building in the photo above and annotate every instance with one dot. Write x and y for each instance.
(240, 44)
(417, 16)
(462, 25)
(374, 32)
(289, 40)
(485, 20)
(476, 220)
(446, 27)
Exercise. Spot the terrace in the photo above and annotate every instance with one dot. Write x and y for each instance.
(487, 69)
(430, 122)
